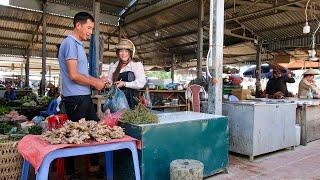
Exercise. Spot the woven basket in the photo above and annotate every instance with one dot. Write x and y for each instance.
(10, 161)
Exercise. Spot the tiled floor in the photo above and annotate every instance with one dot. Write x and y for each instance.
(301, 163)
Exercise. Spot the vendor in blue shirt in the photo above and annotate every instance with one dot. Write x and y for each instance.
(10, 94)
(74, 72)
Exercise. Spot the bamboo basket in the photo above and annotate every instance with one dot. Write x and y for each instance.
(10, 161)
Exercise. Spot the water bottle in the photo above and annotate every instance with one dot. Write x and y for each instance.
(309, 94)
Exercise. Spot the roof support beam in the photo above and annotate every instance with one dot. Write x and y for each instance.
(50, 25)
(267, 5)
(169, 37)
(185, 19)
(286, 26)
(262, 11)
(63, 10)
(152, 10)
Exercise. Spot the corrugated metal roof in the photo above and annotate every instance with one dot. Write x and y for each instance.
(175, 25)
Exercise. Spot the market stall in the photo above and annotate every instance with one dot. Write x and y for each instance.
(179, 135)
(259, 127)
(308, 117)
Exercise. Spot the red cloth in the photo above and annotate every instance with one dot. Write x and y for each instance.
(34, 149)
(195, 89)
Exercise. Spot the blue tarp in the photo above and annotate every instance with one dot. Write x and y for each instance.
(92, 57)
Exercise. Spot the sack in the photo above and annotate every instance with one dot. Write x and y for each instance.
(115, 100)
(111, 119)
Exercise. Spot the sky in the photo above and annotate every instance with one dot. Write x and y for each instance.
(4, 2)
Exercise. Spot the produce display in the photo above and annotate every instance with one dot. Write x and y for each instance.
(81, 132)
(5, 128)
(140, 115)
(35, 130)
(4, 110)
(30, 100)
(44, 100)
(15, 116)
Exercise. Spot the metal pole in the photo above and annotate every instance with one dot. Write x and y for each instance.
(27, 69)
(258, 70)
(173, 61)
(44, 50)
(96, 10)
(216, 55)
(50, 74)
(200, 38)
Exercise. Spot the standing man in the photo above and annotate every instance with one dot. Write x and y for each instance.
(76, 81)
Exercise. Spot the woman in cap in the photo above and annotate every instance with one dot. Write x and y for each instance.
(127, 74)
(277, 85)
(306, 83)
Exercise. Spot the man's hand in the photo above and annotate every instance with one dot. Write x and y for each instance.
(120, 84)
(99, 84)
(104, 78)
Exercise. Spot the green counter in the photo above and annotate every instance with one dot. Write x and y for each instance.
(178, 135)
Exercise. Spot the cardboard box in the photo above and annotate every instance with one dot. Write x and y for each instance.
(241, 94)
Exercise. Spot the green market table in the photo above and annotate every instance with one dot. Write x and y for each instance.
(178, 135)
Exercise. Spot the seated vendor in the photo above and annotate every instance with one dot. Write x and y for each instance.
(308, 82)
(277, 85)
(10, 94)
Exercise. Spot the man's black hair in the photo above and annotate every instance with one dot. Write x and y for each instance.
(82, 17)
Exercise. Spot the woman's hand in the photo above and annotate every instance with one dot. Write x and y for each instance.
(120, 84)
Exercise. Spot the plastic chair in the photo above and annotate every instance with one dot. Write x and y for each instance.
(76, 151)
(193, 95)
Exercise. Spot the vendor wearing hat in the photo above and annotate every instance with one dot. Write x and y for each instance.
(127, 74)
(277, 85)
(10, 94)
(306, 83)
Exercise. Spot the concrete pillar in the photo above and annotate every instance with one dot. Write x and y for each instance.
(44, 49)
(216, 55)
(200, 38)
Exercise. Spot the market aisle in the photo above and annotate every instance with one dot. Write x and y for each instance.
(302, 163)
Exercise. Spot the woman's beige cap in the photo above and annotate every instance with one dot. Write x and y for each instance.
(311, 72)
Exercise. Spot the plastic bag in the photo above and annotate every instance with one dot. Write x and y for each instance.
(115, 100)
(111, 119)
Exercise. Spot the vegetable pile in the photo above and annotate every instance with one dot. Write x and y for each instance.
(82, 131)
(140, 115)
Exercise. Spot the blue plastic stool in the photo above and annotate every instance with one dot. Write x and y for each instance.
(76, 151)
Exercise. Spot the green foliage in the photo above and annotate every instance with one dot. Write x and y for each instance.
(5, 128)
(30, 97)
(44, 100)
(158, 74)
(4, 110)
(140, 115)
(35, 130)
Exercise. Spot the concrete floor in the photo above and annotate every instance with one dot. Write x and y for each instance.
(301, 163)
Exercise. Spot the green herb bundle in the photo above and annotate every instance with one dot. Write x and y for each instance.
(5, 128)
(35, 130)
(140, 115)
(4, 110)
